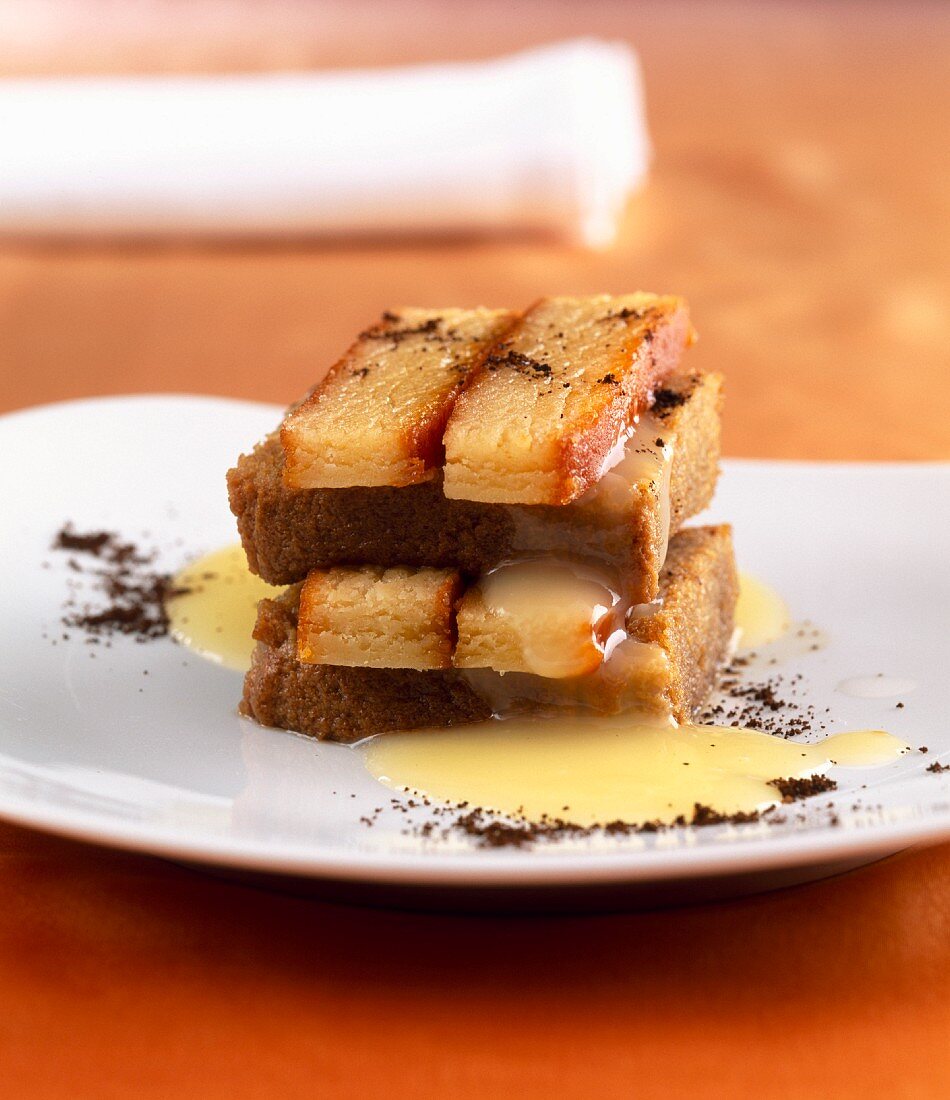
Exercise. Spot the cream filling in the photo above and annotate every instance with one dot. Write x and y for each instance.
(550, 618)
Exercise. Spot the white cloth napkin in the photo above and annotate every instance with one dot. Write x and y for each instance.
(549, 140)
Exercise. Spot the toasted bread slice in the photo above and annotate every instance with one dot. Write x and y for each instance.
(379, 415)
(669, 664)
(547, 618)
(378, 618)
(537, 421)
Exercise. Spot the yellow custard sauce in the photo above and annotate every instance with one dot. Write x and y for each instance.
(761, 614)
(216, 614)
(595, 770)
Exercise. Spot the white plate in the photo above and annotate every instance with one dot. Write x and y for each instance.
(96, 749)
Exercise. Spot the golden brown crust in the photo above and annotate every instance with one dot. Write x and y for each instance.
(537, 420)
(378, 416)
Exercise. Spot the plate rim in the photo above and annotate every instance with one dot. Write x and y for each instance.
(575, 868)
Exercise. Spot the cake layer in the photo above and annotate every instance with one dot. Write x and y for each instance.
(288, 532)
(378, 416)
(668, 664)
(538, 418)
(547, 618)
(694, 624)
(378, 618)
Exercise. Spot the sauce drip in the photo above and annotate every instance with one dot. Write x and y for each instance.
(549, 618)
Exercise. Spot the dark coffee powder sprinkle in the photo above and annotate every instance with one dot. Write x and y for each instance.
(637, 313)
(397, 335)
(936, 767)
(667, 399)
(131, 593)
(770, 705)
(793, 789)
(706, 815)
(488, 829)
(514, 360)
(93, 543)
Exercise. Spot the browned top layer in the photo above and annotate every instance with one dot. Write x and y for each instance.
(378, 416)
(544, 398)
(539, 418)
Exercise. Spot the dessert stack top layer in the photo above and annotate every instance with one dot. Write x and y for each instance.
(519, 408)
(418, 447)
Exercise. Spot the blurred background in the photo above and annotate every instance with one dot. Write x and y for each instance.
(798, 195)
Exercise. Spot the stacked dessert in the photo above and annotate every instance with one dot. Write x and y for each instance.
(478, 512)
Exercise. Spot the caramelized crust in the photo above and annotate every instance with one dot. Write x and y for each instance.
(538, 419)
(378, 618)
(379, 415)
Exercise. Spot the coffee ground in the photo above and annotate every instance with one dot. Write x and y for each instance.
(792, 789)
(489, 829)
(131, 592)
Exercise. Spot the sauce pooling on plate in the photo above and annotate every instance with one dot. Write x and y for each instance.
(216, 614)
(596, 770)
(761, 614)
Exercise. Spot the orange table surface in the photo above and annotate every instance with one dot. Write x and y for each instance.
(799, 199)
